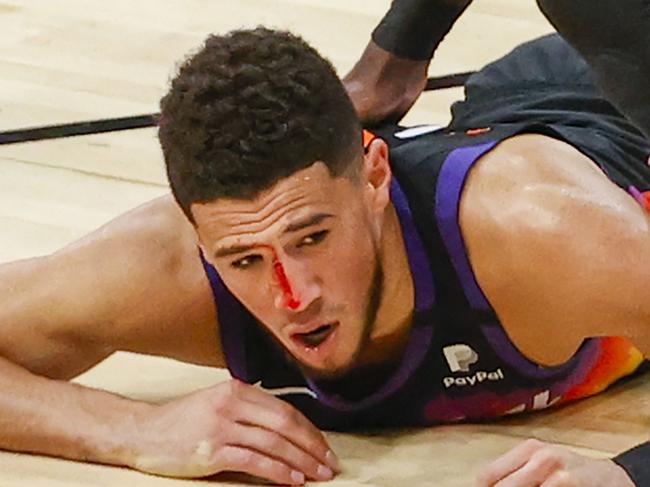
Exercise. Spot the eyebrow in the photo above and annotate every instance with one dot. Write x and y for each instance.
(290, 228)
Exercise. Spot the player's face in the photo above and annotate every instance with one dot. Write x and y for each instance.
(303, 257)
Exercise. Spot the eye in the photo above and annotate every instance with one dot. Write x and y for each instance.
(313, 238)
(246, 262)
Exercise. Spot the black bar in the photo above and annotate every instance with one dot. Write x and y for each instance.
(150, 120)
(78, 128)
(448, 81)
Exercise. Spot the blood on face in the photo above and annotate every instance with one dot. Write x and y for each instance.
(290, 301)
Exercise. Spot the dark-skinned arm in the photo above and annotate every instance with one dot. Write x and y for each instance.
(612, 35)
(392, 71)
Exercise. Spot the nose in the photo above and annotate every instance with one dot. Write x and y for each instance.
(294, 285)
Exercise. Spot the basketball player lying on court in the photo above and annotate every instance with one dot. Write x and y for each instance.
(401, 278)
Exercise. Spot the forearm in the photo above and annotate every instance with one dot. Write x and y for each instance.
(58, 418)
(413, 29)
(392, 72)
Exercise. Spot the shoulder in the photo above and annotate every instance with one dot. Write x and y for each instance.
(530, 158)
(159, 223)
(538, 218)
(528, 178)
(155, 231)
(148, 284)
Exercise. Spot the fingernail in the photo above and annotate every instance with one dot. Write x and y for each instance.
(333, 461)
(324, 473)
(298, 478)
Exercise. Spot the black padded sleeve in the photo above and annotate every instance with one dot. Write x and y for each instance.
(636, 462)
(413, 29)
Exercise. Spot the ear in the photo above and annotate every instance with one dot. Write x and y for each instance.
(377, 175)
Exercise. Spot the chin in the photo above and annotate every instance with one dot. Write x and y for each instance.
(326, 373)
(331, 368)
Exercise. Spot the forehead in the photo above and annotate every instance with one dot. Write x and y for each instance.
(296, 197)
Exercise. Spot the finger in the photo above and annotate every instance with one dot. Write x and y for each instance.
(508, 463)
(541, 465)
(290, 423)
(561, 478)
(282, 417)
(274, 445)
(239, 459)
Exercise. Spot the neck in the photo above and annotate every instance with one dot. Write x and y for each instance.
(393, 322)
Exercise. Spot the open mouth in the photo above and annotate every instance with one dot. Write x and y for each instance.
(315, 337)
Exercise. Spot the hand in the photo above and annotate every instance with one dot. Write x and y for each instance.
(534, 463)
(382, 86)
(232, 427)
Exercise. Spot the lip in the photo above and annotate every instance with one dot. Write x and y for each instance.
(319, 351)
(308, 328)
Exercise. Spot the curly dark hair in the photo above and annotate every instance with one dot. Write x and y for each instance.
(249, 108)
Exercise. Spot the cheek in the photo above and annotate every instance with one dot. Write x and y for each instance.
(260, 304)
(349, 270)
(252, 291)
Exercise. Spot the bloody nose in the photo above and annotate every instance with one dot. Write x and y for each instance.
(290, 300)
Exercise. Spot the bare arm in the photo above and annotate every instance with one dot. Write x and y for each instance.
(136, 284)
(585, 241)
(117, 289)
(612, 35)
(563, 255)
(392, 71)
(40, 415)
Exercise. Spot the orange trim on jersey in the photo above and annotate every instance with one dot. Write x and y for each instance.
(642, 197)
(366, 138)
(646, 200)
(475, 132)
(617, 358)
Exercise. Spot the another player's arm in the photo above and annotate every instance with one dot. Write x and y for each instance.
(392, 71)
(612, 35)
(136, 284)
(563, 255)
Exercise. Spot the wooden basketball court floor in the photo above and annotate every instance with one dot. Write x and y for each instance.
(70, 60)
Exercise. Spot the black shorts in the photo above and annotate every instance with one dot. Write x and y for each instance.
(546, 81)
